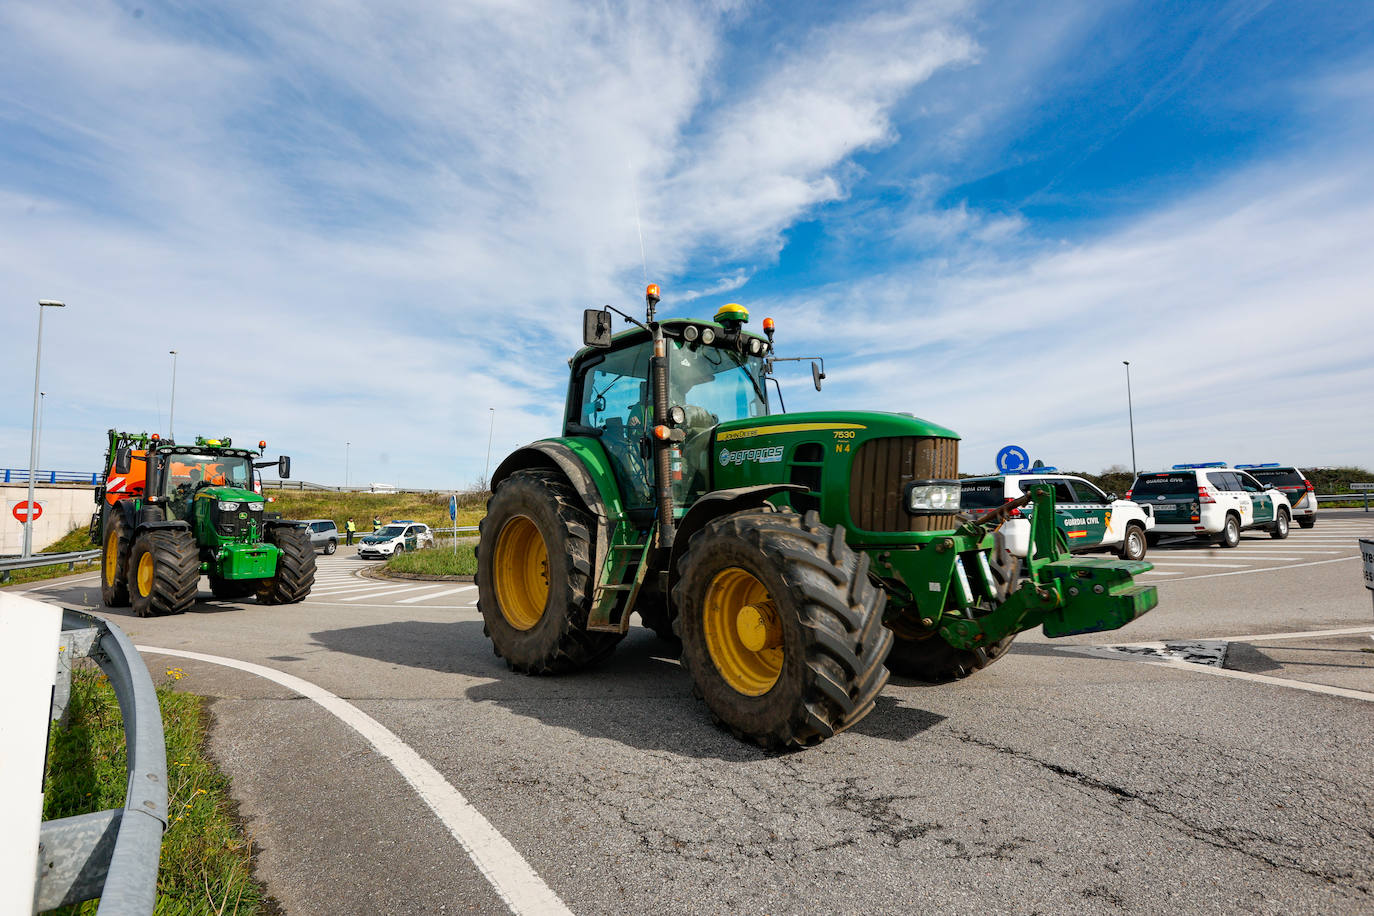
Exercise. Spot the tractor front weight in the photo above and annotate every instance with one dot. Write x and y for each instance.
(963, 585)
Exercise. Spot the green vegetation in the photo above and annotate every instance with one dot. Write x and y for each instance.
(206, 865)
(436, 561)
(74, 540)
(430, 508)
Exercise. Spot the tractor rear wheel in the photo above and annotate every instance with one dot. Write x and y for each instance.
(165, 567)
(781, 629)
(295, 574)
(114, 562)
(935, 661)
(534, 576)
(231, 589)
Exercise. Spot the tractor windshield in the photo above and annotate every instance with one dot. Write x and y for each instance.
(723, 383)
(185, 470)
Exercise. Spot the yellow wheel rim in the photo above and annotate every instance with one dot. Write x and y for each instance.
(111, 555)
(743, 632)
(145, 574)
(520, 567)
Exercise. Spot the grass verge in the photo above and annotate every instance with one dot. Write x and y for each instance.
(430, 508)
(72, 541)
(206, 865)
(436, 561)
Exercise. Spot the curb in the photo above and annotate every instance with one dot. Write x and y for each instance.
(377, 572)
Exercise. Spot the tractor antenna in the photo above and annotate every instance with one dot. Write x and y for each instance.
(639, 228)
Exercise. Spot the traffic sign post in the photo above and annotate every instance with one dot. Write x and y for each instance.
(1365, 488)
(1012, 459)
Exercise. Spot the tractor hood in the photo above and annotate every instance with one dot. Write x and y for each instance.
(229, 494)
(823, 424)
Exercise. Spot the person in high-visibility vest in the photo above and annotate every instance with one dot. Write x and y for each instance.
(349, 527)
(376, 523)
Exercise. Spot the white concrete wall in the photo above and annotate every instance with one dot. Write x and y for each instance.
(64, 508)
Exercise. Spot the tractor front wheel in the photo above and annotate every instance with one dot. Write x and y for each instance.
(114, 562)
(165, 568)
(534, 565)
(781, 630)
(295, 575)
(935, 661)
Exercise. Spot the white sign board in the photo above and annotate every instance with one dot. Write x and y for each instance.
(1362, 486)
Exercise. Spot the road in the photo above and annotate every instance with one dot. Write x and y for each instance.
(1069, 777)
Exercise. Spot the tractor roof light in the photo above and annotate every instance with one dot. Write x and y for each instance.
(708, 335)
(651, 292)
(769, 326)
(262, 444)
(690, 333)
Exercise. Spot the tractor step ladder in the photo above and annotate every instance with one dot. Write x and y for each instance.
(615, 597)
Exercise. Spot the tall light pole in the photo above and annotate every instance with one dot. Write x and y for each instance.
(1130, 412)
(33, 440)
(172, 411)
(486, 474)
(347, 445)
(42, 403)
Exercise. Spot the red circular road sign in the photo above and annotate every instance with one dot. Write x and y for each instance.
(21, 510)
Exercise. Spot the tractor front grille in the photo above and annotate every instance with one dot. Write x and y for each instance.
(882, 467)
(235, 523)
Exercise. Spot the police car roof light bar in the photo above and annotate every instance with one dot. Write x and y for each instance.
(1267, 464)
(1203, 464)
(1034, 471)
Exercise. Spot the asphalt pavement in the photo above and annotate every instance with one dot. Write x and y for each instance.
(1213, 756)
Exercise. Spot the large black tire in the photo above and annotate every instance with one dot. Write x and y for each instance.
(935, 661)
(164, 571)
(114, 561)
(1230, 532)
(295, 575)
(1308, 522)
(534, 576)
(1133, 544)
(781, 630)
(654, 614)
(231, 589)
(1281, 525)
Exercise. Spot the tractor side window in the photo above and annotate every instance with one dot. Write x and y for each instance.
(615, 400)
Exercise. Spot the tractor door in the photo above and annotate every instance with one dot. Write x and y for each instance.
(615, 399)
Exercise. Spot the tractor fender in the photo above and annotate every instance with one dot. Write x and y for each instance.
(164, 525)
(715, 504)
(552, 454)
(282, 523)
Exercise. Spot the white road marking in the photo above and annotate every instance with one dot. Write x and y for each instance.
(1262, 679)
(391, 591)
(452, 591)
(1260, 569)
(514, 881)
(1196, 563)
(1306, 634)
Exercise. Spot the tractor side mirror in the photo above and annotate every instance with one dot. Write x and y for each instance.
(817, 374)
(596, 328)
(284, 467)
(124, 461)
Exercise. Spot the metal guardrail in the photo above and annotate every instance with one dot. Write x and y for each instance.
(21, 475)
(7, 564)
(110, 854)
(1361, 495)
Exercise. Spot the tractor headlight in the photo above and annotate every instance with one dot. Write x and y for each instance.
(676, 415)
(707, 335)
(931, 497)
(690, 333)
(755, 346)
(228, 507)
(255, 507)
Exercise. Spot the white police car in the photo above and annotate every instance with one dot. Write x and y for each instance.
(1089, 518)
(1302, 496)
(1211, 500)
(394, 538)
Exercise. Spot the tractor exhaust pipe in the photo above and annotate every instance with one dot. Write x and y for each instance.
(658, 377)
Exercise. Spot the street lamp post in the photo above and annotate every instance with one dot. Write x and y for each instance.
(33, 441)
(1130, 412)
(347, 445)
(172, 411)
(486, 474)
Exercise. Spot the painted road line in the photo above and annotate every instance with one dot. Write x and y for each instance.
(1305, 634)
(1196, 563)
(1181, 665)
(1261, 569)
(452, 591)
(523, 891)
(384, 592)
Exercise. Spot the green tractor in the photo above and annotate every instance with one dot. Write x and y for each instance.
(170, 512)
(797, 557)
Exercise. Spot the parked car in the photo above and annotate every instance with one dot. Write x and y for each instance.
(1089, 518)
(395, 537)
(1212, 501)
(324, 535)
(1302, 496)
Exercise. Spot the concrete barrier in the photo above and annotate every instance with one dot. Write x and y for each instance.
(64, 508)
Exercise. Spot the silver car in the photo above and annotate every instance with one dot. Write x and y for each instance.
(324, 534)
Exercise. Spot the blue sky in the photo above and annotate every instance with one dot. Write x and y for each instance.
(374, 225)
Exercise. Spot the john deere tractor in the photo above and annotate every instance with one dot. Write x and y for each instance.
(798, 557)
(170, 512)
